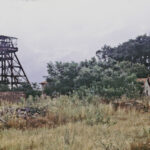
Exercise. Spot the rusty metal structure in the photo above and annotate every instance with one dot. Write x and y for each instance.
(11, 70)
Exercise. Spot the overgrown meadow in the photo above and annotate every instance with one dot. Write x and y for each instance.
(103, 107)
(67, 123)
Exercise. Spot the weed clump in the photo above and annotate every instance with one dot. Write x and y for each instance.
(141, 145)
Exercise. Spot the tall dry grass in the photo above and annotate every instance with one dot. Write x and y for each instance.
(72, 125)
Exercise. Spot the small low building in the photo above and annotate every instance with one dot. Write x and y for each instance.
(146, 85)
(43, 85)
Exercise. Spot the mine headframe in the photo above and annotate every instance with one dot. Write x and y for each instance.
(11, 70)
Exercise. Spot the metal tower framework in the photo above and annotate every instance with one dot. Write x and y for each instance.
(11, 70)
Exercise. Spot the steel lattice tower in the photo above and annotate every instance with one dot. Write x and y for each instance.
(11, 71)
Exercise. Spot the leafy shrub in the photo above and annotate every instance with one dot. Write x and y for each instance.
(29, 90)
(109, 79)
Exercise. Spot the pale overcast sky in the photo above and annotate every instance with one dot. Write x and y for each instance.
(66, 30)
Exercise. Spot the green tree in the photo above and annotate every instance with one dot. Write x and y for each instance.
(61, 77)
(109, 79)
(135, 50)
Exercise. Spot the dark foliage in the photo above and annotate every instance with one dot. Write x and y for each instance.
(28, 89)
(4, 87)
(135, 51)
(109, 79)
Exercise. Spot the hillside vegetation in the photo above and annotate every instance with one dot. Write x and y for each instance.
(110, 75)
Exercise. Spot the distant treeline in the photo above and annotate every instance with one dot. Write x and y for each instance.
(112, 74)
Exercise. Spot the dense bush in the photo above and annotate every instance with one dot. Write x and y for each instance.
(112, 75)
(29, 89)
(4, 87)
(134, 50)
(109, 79)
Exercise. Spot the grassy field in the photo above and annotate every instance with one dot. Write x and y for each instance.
(70, 124)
